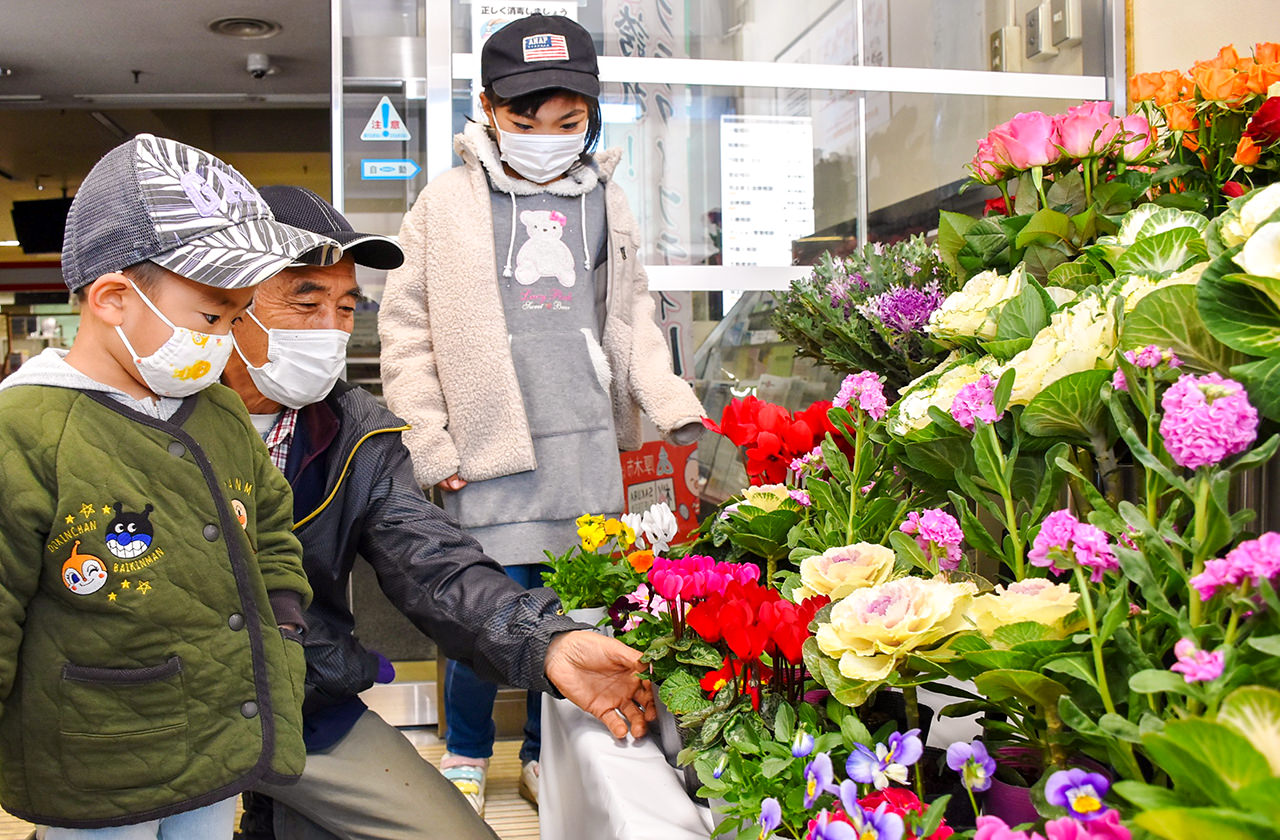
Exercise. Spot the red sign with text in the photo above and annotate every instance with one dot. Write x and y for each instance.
(662, 472)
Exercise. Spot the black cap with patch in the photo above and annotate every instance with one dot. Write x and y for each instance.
(310, 212)
(540, 52)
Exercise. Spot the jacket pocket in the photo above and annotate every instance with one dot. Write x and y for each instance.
(563, 381)
(123, 727)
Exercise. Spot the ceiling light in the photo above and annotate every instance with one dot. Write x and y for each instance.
(21, 97)
(9, 243)
(244, 27)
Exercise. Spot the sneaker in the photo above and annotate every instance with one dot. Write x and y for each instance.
(529, 773)
(468, 776)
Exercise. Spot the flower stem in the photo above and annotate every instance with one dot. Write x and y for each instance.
(1200, 533)
(1151, 479)
(1015, 538)
(972, 801)
(912, 701)
(859, 440)
(1086, 603)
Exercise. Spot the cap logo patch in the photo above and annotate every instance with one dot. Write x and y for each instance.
(201, 193)
(545, 48)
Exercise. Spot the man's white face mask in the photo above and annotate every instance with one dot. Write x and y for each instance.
(302, 365)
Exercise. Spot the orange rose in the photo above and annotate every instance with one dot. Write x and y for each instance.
(1219, 84)
(1181, 116)
(1266, 53)
(1262, 76)
(1190, 141)
(641, 561)
(1164, 87)
(1247, 151)
(1226, 59)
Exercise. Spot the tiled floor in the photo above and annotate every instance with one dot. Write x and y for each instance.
(510, 816)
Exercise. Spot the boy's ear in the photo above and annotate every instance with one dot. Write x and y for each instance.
(104, 298)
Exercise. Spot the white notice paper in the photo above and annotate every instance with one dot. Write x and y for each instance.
(766, 187)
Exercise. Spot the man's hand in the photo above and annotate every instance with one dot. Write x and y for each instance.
(599, 674)
(453, 483)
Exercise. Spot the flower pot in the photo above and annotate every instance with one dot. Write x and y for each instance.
(595, 616)
(718, 814)
(666, 731)
(1011, 803)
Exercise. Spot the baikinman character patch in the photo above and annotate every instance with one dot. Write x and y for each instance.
(129, 534)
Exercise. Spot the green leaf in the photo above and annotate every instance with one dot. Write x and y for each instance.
(1262, 799)
(742, 737)
(1076, 665)
(1042, 258)
(701, 655)
(1152, 681)
(909, 553)
(1006, 349)
(1118, 727)
(1199, 823)
(1163, 253)
(1148, 797)
(989, 456)
(1220, 750)
(1045, 226)
(1262, 380)
(932, 818)
(1023, 316)
(1075, 718)
(1021, 632)
(951, 230)
(1169, 318)
(1077, 275)
(1236, 310)
(681, 693)
(1027, 686)
(853, 732)
(1070, 407)
(773, 766)
(1254, 711)
(1269, 645)
(784, 723)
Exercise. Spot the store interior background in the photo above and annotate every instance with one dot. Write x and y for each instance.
(78, 78)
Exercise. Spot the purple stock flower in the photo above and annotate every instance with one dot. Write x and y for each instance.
(819, 778)
(888, 763)
(1078, 791)
(973, 763)
(1206, 418)
(1197, 665)
(904, 309)
(770, 817)
(867, 390)
(975, 401)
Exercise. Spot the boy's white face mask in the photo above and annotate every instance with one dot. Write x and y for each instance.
(539, 157)
(187, 362)
(302, 365)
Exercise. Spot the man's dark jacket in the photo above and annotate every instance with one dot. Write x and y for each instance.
(355, 494)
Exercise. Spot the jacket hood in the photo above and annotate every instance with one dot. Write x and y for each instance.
(477, 149)
(50, 368)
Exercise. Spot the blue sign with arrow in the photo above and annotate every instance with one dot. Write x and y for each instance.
(388, 170)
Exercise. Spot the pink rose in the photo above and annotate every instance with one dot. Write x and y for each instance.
(1025, 141)
(1137, 137)
(1086, 130)
(986, 166)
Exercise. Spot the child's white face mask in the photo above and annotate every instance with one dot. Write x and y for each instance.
(539, 157)
(187, 362)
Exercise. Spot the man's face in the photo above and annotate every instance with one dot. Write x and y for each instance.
(304, 298)
(187, 304)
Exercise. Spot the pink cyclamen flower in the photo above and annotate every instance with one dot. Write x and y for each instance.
(1206, 419)
(868, 391)
(801, 496)
(1252, 560)
(1196, 665)
(1105, 827)
(975, 401)
(1025, 141)
(1086, 130)
(994, 828)
(936, 531)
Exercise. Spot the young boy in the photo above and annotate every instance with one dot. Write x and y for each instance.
(146, 557)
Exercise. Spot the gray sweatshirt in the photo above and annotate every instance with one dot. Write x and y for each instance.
(50, 368)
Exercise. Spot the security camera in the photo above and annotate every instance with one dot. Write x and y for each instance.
(258, 65)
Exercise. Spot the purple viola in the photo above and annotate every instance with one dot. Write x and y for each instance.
(819, 778)
(770, 817)
(973, 763)
(888, 763)
(1079, 791)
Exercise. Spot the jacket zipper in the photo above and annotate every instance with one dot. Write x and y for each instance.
(341, 476)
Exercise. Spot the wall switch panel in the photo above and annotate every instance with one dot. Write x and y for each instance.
(1006, 49)
(1036, 34)
(1064, 23)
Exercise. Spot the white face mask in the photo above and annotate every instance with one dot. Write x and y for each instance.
(539, 157)
(302, 365)
(187, 362)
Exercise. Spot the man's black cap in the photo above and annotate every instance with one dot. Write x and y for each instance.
(539, 52)
(309, 211)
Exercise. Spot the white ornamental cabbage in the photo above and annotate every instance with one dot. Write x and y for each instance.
(973, 310)
(1078, 338)
(937, 388)
(1239, 225)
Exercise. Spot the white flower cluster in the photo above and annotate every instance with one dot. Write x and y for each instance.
(657, 524)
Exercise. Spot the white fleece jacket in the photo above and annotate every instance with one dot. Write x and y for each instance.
(446, 357)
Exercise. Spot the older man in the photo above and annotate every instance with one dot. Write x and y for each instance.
(355, 494)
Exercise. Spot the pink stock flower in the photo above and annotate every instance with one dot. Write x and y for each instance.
(985, 166)
(1252, 560)
(1206, 419)
(1093, 551)
(1196, 665)
(802, 497)
(974, 401)
(1054, 536)
(1105, 827)
(867, 389)
(1152, 356)
(1086, 130)
(1118, 381)
(1136, 138)
(1025, 141)
(936, 530)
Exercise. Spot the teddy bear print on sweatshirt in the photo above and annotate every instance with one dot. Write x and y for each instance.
(544, 254)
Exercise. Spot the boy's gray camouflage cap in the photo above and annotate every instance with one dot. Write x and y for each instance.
(156, 199)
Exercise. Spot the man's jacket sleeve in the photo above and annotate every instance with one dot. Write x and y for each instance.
(441, 580)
